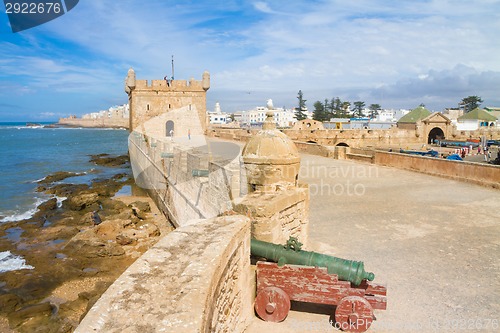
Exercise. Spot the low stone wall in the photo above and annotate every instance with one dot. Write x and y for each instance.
(195, 279)
(478, 173)
(314, 149)
(95, 123)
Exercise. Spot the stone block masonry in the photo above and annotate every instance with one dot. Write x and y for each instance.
(151, 100)
(165, 169)
(196, 279)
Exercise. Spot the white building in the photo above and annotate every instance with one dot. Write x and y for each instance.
(391, 115)
(217, 116)
(117, 111)
(475, 119)
(385, 116)
(257, 116)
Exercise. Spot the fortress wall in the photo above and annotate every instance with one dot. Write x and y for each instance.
(195, 279)
(478, 173)
(148, 103)
(95, 123)
(330, 137)
(165, 167)
(314, 149)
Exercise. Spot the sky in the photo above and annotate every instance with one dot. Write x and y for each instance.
(394, 53)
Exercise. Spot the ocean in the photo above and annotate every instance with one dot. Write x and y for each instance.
(28, 154)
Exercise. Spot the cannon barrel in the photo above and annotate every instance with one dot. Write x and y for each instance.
(348, 270)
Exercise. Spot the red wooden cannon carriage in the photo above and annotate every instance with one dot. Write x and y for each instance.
(278, 285)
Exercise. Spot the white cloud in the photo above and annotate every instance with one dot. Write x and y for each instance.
(263, 7)
(384, 51)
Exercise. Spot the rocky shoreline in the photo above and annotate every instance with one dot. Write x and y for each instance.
(78, 247)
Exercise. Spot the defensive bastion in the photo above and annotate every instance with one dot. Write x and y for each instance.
(198, 278)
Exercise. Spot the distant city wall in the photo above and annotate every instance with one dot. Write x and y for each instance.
(195, 279)
(95, 123)
(356, 137)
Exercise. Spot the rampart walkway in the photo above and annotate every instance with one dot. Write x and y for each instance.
(433, 241)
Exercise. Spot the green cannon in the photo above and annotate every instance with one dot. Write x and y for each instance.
(291, 253)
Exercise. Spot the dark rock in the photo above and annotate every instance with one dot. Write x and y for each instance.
(120, 176)
(8, 302)
(81, 201)
(30, 311)
(108, 160)
(96, 220)
(41, 188)
(65, 190)
(48, 205)
(124, 240)
(58, 176)
(140, 209)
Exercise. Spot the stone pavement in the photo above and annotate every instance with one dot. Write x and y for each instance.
(434, 242)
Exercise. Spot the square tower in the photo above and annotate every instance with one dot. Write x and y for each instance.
(148, 100)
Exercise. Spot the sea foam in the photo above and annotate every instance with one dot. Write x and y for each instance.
(29, 213)
(19, 216)
(12, 262)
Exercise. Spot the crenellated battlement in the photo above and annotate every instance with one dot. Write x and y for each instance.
(171, 85)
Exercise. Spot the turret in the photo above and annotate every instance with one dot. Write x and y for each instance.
(205, 81)
(130, 81)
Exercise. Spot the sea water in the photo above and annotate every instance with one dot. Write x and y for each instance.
(28, 154)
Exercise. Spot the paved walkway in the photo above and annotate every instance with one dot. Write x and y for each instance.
(434, 242)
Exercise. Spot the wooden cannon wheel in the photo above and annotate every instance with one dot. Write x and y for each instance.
(353, 314)
(272, 304)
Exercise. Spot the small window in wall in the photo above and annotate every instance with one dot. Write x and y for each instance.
(189, 107)
(148, 107)
(169, 106)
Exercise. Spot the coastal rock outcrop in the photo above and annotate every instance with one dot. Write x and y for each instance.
(109, 160)
(75, 258)
(81, 201)
(58, 176)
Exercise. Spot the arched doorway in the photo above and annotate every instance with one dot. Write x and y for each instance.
(435, 134)
(169, 128)
(342, 144)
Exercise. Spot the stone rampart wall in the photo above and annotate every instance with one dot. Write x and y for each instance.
(478, 173)
(354, 137)
(195, 279)
(95, 123)
(167, 169)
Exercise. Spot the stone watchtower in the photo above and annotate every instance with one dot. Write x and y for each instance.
(276, 202)
(148, 100)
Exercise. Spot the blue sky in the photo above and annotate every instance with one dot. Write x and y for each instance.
(394, 53)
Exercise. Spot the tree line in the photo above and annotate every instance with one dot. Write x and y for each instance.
(336, 108)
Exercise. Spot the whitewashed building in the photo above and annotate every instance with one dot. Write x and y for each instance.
(217, 117)
(257, 116)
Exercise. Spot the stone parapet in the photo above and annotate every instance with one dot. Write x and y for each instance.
(195, 279)
(477, 173)
(278, 215)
